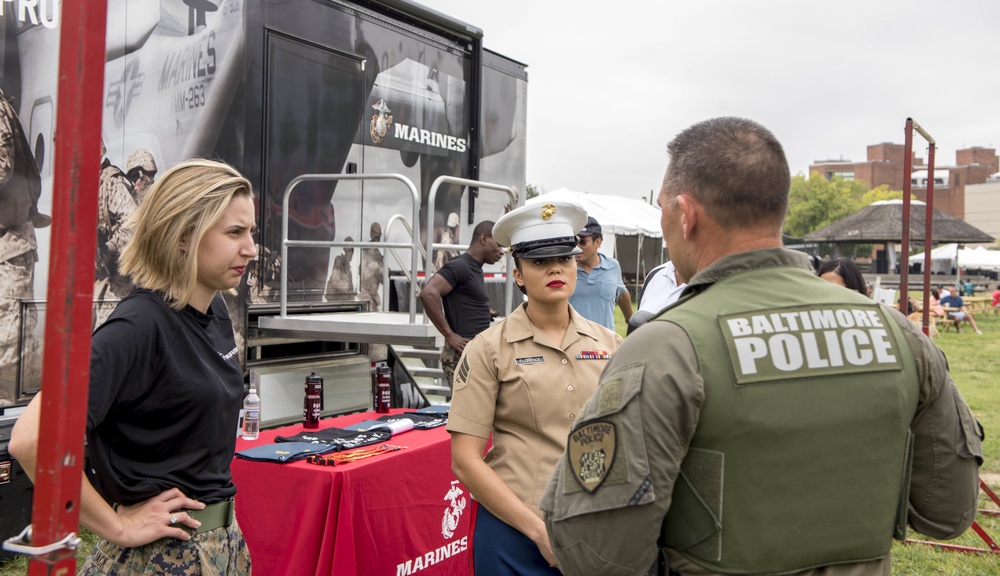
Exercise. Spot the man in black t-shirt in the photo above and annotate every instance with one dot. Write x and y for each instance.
(455, 299)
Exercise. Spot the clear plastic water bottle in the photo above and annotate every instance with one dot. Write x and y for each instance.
(251, 415)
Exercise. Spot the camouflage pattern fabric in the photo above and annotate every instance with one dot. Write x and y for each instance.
(20, 189)
(115, 204)
(372, 269)
(221, 552)
(18, 255)
(341, 279)
(449, 362)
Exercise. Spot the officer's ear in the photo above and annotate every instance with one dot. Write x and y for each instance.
(689, 209)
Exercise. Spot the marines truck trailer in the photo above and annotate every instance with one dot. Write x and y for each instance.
(277, 88)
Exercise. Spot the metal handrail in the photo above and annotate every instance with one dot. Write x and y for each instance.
(285, 242)
(409, 230)
(512, 195)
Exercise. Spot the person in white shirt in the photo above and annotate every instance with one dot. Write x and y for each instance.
(662, 287)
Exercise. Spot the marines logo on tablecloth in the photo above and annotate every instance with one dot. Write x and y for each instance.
(591, 453)
(453, 513)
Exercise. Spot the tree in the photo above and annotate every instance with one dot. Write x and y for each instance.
(816, 202)
(530, 191)
(882, 193)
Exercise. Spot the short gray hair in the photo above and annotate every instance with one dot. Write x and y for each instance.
(734, 167)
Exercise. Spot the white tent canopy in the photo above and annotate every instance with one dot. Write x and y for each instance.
(631, 228)
(946, 257)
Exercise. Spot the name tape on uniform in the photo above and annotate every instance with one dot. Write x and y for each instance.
(809, 341)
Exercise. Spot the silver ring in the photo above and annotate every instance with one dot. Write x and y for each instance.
(173, 519)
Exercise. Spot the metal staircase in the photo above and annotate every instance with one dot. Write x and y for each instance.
(414, 339)
(422, 364)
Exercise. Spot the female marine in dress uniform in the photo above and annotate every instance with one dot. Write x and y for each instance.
(525, 380)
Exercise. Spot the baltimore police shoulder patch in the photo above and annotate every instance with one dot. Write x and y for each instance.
(591, 453)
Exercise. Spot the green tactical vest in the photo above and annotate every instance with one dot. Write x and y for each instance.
(801, 455)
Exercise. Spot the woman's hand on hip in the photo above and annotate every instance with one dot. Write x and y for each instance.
(158, 517)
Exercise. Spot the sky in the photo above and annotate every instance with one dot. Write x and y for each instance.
(607, 89)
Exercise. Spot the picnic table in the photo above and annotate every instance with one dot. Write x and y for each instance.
(977, 303)
(948, 321)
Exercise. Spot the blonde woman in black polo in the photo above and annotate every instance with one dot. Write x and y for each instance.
(166, 386)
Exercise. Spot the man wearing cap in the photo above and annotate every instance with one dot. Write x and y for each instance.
(755, 438)
(140, 168)
(456, 300)
(598, 280)
(524, 381)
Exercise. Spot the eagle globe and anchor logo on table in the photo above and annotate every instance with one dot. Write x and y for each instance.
(453, 513)
(457, 504)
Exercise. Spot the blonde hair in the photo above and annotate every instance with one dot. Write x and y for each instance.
(179, 208)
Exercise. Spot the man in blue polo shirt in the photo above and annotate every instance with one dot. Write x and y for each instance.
(960, 313)
(598, 280)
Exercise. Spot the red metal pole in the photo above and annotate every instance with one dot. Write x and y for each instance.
(69, 316)
(929, 226)
(904, 266)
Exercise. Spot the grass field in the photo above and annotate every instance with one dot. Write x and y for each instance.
(975, 366)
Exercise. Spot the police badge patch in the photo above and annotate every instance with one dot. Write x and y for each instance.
(591, 453)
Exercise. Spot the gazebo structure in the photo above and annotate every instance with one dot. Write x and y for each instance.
(882, 222)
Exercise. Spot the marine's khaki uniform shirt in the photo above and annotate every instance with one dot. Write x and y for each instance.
(527, 391)
(664, 416)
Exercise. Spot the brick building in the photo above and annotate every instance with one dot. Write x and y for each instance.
(982, 206)
(885, 166)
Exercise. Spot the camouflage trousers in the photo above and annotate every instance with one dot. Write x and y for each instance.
(220, 552)
(449, 362)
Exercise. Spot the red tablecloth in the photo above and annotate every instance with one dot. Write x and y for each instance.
(394, 514)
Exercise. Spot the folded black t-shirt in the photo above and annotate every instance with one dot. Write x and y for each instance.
(338, 437)
(420, 421)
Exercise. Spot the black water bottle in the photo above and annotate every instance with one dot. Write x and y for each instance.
(313, 403)
(383, 391)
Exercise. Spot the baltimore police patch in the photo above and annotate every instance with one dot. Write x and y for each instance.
(591, 453)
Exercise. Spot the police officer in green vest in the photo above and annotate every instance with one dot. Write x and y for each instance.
(768, 422)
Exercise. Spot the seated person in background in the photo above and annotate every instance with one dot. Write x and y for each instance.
(968, 288)
(843, 272)
(933, 303)
(961, 314)
(996, 297)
